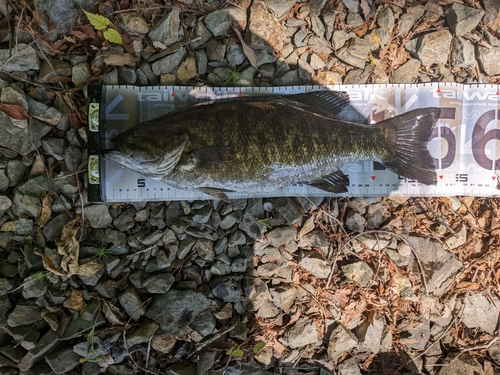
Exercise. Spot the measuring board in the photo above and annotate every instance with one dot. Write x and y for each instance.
(463, 143)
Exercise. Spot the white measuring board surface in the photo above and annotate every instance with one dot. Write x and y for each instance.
(465, 144)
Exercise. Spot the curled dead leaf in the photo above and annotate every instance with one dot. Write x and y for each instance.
(120, 60)
(76, 300)
(49, 266)
(46, 209)
(88, 269)
(14, 111)
(249, 53)
(69, 248)
(187, 70)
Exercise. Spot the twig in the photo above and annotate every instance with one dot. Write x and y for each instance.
(210, 340)
(297, 361)
(438, 217)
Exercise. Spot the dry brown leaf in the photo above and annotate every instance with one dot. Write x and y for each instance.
(89, 268)
(76, 300)
(113, 314)
(14, 111)
(249, 53)
(49, 266)
(120, 60)
(46, 209)
(187, 70)
(69, 248)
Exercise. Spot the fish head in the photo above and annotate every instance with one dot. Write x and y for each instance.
(150, 150)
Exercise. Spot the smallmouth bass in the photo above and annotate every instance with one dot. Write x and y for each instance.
(256, 145)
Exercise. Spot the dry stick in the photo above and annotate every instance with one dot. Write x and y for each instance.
(392, 234)
(210, 340)
(298, 360)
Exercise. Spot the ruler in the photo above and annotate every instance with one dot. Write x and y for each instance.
(465, 143)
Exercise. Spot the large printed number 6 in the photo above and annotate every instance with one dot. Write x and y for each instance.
(480, 138)
(449, 136)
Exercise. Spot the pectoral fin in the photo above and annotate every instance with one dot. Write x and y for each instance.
(217, 193)
(336, 182)
(209, 157)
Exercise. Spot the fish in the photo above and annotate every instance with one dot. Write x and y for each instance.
(257, 145)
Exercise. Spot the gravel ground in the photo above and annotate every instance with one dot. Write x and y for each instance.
(259, 286)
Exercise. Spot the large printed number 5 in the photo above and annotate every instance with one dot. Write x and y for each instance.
(480, 138)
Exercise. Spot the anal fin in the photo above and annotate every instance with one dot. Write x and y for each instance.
(336, 182)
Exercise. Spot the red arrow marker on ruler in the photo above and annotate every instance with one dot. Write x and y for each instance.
(373, 177)
(173, 94)
(441, 176)
(493, 177)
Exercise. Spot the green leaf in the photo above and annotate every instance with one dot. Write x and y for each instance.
(96, 20)
(259, 346)
(235, 351)
(113, 36)
(266, 222)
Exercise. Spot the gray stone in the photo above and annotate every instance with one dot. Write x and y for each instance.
(432, 48)
(355, 52)
(4, 182)
(283, 296)
(408, 72)
(494, 352)
(453, 241)
(290, 78)
(24, 315)
(355, 222)
(385, 19)
(406, 22)
(72, 158)
(34, 287)
(176, 309)
(202, 215)
(126, 75)
(133, 23)
(341, 341)
(131, 303)
(315, 62)
(265, 29)
(369, 334)
(202, 35)
(480, 312)
(339, 38)
(63, 361)
(205, 362)
(25, 206)
(126, 220)
(247, 368)
(462, 19)
(148, 239)
(358, 272)
(354, 20)
(462, 53)
(316, 6)
(256, 291)
(348, 367)
(235, 55)
(215, 50)
(44, 113)
(351, 5)
(15, 172)
(52, 68)
(98, 216)
(159, 284)
(46, 343)
(303, 332)
(166, 31)
(15, 138)
(169, 63)
(439, 265)
(201, 61)
(314, 263)
(219, 21)
(22, 227)
(488, 59)
(24, 59)
(55, 147)
(465, 364)
(204, 323)
(81, 73)
(227, 289)
(415, 332)
(317, 26)
(280, 7)
(358, 76)
(142, 334)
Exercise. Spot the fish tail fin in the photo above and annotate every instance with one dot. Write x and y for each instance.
(407, 136)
